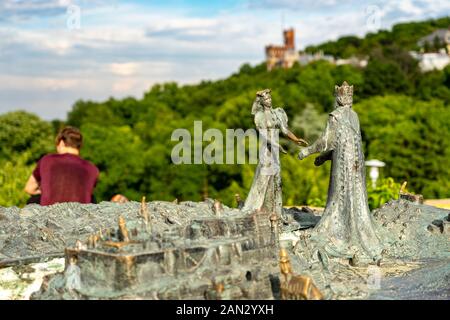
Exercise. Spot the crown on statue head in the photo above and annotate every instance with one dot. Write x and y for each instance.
(344, 90)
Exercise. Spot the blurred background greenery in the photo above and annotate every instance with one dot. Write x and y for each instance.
(404, 117)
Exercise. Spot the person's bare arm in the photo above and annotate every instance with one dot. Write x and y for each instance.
(32, 186)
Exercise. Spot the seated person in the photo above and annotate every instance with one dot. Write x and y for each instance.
(64, 176)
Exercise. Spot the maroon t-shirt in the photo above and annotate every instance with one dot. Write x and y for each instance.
(65, 178)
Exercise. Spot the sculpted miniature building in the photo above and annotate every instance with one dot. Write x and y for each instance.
(295, 287)
(232, 256)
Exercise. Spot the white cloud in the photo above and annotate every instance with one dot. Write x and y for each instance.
(296, 4)
(124, 69)
(408, 7)
(20, 10)
(124, 86)
(22, 6)
(17, 83)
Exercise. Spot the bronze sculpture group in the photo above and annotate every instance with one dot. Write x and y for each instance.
(346, 229)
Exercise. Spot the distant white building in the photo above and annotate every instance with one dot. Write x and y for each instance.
(432, 61)
(354, 61)
(306, 58)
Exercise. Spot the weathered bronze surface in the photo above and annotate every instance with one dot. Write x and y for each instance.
(236, 250)
(403, 194)
(296, 287)
(346, 228)
(265, 192)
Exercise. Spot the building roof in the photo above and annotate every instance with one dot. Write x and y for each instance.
(441, 34)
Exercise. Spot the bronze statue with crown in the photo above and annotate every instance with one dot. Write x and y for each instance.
(346, 229)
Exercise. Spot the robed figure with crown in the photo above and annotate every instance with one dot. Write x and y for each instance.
(346, 229)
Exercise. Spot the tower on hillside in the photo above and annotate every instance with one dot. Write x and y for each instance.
(289, 39)
(282, 56)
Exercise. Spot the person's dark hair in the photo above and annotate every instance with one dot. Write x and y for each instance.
(71, 136)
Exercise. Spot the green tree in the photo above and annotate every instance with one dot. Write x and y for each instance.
(433, 85)
(317, 83)
(310, 123)
(24, 133)
(118, 153)
(412, 137)
(13, 176)
(383, 78)
(386, 190)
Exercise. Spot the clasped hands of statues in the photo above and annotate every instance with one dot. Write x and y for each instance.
(305, 152)
(293, 138)
(301, 142)
(320, 159)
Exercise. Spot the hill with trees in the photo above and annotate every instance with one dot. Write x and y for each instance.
(403, 35)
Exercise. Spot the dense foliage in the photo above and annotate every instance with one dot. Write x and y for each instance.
(405, 35)
(403, 112)
(385, 190)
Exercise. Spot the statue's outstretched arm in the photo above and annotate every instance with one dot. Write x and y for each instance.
(270, 137)
(283, 123)
(294, 138)
(324, 144)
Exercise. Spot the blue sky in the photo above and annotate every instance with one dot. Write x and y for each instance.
(122, 48)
